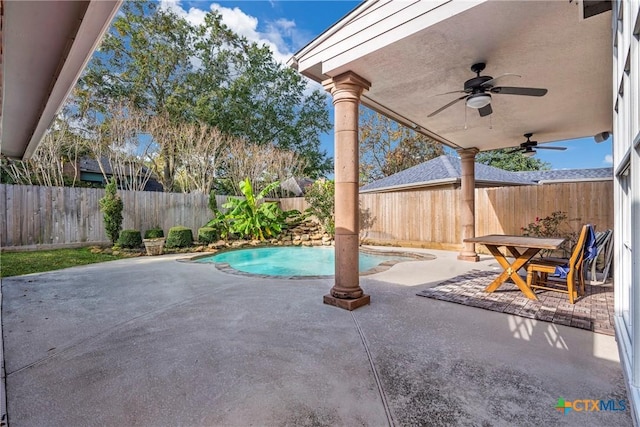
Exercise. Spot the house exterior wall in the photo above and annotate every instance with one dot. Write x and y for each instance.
(626, 166)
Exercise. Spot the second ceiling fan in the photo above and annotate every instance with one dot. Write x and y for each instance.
(477, 91)
(528, 147)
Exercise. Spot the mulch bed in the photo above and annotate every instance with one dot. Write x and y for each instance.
(592, 311)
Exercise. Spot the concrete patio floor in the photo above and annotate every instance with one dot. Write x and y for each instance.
(154, 342)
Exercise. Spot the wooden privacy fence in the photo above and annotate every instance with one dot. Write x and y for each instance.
(41, 216)
(431, 218)
(57, 216)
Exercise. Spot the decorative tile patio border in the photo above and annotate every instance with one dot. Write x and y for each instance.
(593, 311)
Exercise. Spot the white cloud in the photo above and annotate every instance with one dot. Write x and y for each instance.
(275, 35)
(281, 36)
(608, 159)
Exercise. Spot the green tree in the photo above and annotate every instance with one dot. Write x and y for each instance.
(146, 60)
(111, 206)
(511, 161)
(171, 68)
(386, 147)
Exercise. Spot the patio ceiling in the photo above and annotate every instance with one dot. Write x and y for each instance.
(45, 47)
(412, 51)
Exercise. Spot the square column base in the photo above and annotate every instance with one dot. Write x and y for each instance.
(472, 258)
(347, 304)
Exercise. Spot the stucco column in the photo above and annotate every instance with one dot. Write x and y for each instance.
(346, 90)
(468, 203)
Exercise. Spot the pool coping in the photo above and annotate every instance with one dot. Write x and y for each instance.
(383, 266)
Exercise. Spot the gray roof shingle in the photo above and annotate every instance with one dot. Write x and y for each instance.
(567, 174)
(448, 169)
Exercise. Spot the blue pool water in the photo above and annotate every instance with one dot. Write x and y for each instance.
(292, 260)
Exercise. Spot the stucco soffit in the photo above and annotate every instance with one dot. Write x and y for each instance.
(372, 29)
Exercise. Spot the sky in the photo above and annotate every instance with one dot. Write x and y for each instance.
(287, 26)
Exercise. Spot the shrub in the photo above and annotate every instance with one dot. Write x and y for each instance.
(208, 235)
(179, 237)
(130, 239)
(320, 197)
(554, 225)
(111, 207)
(154, 233)
(221, 224)
(548, 226)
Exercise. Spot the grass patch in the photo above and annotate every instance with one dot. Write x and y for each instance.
(17, 263)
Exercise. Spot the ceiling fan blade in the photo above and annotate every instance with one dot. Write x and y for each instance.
(514, 150)
(527, 91)
(485, 111)
(550, 148)
(493, 81)
(447, 106)
(449, 93)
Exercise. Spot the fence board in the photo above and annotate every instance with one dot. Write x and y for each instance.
(34, 215)
(430, 218)
(3, 215)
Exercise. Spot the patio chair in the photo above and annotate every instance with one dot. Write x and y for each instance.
(567, 274)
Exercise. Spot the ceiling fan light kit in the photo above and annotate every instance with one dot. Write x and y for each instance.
(529, 152)
(477, 91)
(478, 100)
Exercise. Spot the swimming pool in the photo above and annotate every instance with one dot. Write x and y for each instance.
(300, 261)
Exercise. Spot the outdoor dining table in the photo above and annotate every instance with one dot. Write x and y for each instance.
(522, 249)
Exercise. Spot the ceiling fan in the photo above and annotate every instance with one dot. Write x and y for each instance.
(477, 91)
(528, 147)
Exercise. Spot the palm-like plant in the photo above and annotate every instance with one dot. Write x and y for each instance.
(250, 218)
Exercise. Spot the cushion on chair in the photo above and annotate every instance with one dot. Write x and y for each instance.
(590, 246)
(590, 251)
(561, 271)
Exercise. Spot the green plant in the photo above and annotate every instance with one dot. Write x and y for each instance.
(130, 239)
(249, 218)
(154, 233)
(179, 237)
(321, 198)
(213, 203)
(111, 206)
(554, 225)
(221, 224)
(294, 217)
(208, 235)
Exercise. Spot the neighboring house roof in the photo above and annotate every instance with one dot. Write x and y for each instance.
(595, 174)
(447, 170)
(442, 170)
(87, 164)
(91, 165)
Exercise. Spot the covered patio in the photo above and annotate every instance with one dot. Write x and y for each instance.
(413, 62)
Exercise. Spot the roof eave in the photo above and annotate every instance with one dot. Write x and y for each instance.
(412, 185)
(81, 40)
